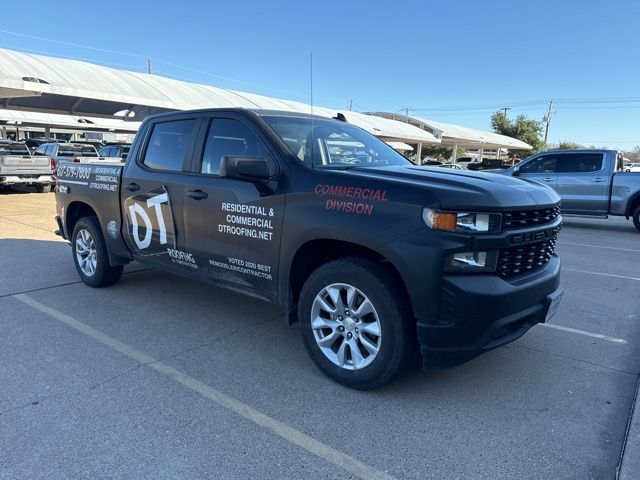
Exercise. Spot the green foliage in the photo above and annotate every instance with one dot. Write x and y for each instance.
(565, 145)
(441, 153)
(522, 128)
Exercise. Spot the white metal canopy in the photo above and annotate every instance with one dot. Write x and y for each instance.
(461, 136)
(51, 85)
(22, 118)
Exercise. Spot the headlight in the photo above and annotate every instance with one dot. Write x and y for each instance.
(462, 222)
(472, 262)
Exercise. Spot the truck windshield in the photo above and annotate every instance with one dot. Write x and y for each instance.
(13, 149)
(321, 143)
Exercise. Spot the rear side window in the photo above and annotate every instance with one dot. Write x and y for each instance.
(580, 163)
(168, 145)
(232, 138)
(50, 150)
(544, 164)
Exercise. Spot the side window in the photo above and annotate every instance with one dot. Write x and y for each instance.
(580, 163)
(104, 152)
(41, 150)
(543, 164)
(168, 145)
(51, 150)
(228, 137)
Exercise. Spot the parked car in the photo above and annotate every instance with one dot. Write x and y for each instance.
(116, 151)
(586, 180)
(464, 161)
(366, 251)
(455, 166)
(487, 164)
(19, 167)
(634, 167)
(68, 152)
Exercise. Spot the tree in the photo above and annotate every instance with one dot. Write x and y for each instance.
(522, 128)
(634, 154)
(565, 145)
(441, 153)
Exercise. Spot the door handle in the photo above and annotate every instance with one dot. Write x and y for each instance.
(197, 194)
(133, 187)
(598, 180)
(549, 179)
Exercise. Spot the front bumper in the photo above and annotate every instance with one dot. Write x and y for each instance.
(482, 312)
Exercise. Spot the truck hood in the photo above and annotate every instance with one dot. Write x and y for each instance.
(465, 189)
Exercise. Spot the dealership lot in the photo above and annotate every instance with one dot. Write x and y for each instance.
(162, 377)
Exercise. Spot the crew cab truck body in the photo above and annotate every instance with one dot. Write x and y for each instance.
(372, 255)
(19, 167)
(590, 182)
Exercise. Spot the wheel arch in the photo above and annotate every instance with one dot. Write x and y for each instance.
(315, 253)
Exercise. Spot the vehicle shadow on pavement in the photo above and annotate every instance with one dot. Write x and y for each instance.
(601, 226)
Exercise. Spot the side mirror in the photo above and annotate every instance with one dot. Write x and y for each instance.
(516, 171)
(249, 169)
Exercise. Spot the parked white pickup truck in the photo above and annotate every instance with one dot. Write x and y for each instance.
(19, 167)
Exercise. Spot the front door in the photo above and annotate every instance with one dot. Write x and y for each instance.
(232, 227)
(541, 169)
(152, 194)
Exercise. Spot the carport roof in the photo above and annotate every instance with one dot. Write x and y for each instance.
(457, 135)
(55, 85)
(21, 118)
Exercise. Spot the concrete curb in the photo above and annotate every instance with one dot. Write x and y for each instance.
(629, 466)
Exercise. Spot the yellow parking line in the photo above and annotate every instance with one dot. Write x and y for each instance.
(290, 434)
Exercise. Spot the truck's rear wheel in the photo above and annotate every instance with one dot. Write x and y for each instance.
(41, 188)
(636, 217)
(355, 323)
(90, 254)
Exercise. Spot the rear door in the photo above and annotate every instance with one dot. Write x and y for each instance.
(232, 227)
(583, 183)
(152, 193)
(542, 168)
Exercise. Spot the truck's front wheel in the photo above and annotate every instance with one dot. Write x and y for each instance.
(90, 254)
(355, 323)
(636, 217)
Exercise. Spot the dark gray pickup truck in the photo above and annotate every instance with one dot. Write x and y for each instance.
(590, 182)
(371, 254)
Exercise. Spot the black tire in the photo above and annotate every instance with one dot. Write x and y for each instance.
(397, 343)
(636, 218)
(43, 188)
(104, 274)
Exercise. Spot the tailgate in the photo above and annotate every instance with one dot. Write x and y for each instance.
(17, 164)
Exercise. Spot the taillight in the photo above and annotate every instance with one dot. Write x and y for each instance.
(53, 163)
(76, 160)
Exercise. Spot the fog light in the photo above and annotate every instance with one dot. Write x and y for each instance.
(472, 262)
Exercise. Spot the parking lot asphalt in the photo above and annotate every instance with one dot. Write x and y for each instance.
(162, 377)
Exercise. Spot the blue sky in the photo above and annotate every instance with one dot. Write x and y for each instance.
(381, 55)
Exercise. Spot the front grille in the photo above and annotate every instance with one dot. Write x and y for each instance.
(524, 258)
(529, 218)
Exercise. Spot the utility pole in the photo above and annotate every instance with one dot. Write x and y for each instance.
(406, 112)
(548, 119)
(504, 110)
(148, 65)
(350, 105)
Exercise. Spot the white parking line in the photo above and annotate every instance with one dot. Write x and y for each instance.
(600, 246)
(582, 332)
(600, 273)
(290, 434)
